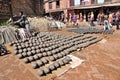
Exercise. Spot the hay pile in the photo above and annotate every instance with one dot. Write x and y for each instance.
(44, 24)
(38, 24)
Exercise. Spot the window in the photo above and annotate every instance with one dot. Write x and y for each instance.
(50, 5)
(82, 2)
(71, 2)
(100, 1)
(76, 2)
(57, 3)
(93, 1)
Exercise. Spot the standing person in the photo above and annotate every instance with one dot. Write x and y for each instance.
(74, 19)
(23, 22)
(110, 19)
(88, 17)
(117, 20)
(114, 19)
(102, 19)
(98, 18)
(106, 23)
(92, 19)
(62, 17)
(70, 17)
(81, 17)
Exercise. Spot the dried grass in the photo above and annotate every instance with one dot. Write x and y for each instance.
(38, 24)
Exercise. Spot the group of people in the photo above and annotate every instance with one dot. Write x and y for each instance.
(109, 20)
(112, 19)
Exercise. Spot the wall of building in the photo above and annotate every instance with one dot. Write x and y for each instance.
(29, 7)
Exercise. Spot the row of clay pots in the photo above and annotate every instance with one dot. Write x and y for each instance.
(91, 31)
(54, 66)
(39, 63)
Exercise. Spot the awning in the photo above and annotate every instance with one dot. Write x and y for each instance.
(86, 7)
(110, 5)
(57, 10)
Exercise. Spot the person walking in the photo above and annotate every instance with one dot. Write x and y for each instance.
(106, 23)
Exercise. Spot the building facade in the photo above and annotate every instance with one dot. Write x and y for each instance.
(54, 7)
(9, 8)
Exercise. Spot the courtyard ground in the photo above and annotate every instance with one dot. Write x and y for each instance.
(102, 62)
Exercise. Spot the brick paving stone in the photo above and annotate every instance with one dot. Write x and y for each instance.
(102, 62)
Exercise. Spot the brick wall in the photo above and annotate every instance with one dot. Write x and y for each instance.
(29, 7)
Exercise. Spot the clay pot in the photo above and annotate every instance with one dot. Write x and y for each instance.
(52, 67)
(45, 61)
(40, 55)
(59, 55)
(37, 51)
(20, 51)
(31, 58)
(40, 72)
(46, 49)
(29, 53)
(20, 56)
(25, 50)
(56, 57)
(26, 60)
(29, 49)
(34, 65)
(49, 53)
(33, 48)
(56, 64)
(40, 63)
(44, 54)
(52, 58)
(36, 57)
(24, 54)
(62, 53)
(42, 50)
(46, 70)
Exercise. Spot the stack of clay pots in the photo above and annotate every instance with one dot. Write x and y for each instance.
(47, 47)
(3, 50)
(88, 30)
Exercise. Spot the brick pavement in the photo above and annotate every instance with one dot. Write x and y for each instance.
(12, 69)
(101, 63)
